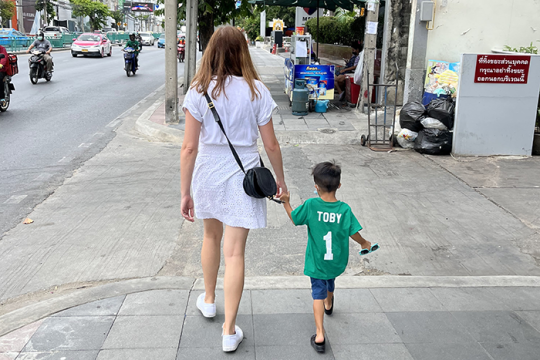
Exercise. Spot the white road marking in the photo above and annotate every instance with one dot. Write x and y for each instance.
(99, 134)
(15, 199)
(62, 159)
(85, 145)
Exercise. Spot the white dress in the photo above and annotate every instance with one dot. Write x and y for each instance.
(218, 192)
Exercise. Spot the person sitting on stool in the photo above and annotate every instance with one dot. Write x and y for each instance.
(350, 66)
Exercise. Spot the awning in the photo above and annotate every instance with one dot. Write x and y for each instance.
(325, 4)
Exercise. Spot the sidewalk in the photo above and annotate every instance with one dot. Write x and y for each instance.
(425, 321)
(457, 275)
(337, 126)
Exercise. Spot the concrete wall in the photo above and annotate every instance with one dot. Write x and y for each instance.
(477, 26)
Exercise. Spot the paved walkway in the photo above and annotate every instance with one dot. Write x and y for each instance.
(117, 218)
(443, 323)
(340, 124)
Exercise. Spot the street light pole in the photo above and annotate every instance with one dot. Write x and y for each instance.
(171, 67)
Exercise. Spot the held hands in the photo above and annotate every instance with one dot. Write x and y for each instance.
(285, 197)
(281, 188)
(187, 208)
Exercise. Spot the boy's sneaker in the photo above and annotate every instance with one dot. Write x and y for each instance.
(329, 311)
(231, 342)
(208, 310)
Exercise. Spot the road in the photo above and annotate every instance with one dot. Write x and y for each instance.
(51, 128)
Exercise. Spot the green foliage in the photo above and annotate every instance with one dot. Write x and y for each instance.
(96, 11)
(7, 10)
(287, 14)
(118, 17)
(525, 50)
(337, 30)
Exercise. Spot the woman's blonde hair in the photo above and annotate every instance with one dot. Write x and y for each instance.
(227, 54)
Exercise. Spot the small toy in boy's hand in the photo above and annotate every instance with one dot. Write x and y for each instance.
(368, 250)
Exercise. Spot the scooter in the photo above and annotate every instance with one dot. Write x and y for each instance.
(38, 67)
(8, 89)
(181, 52)
(129, 61)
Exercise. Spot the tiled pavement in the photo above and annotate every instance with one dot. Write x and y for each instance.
(378, 323)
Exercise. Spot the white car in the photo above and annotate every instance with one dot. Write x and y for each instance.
(55, 31)
(147, 39)
(91, 44)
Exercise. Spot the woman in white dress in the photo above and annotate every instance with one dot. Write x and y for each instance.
(208, 167)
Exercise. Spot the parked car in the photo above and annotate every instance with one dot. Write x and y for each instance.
(12, 38)
(147, 38)
(91, 44)
(107, 30)
(161, 41)
(55, 31)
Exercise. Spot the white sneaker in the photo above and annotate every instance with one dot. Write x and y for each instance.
(231, 342)
(208, 310)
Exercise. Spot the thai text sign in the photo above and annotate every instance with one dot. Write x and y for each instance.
(502, 69)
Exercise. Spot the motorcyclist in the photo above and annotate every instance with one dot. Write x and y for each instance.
(43, 44)
(3, 70)
(135, 45)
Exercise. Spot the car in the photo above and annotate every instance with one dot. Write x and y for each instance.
(12, 38)
(91, 44)
(107, 30)
(161, 41)
(55, 31)
(147, 38)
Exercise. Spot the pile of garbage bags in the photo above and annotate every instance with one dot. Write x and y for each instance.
(428, 130)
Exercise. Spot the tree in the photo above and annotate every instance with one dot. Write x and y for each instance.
(213, 13)
(40, 4)
(118, 17)
(7, 10)
(96, 11)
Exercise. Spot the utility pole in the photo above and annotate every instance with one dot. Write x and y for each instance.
(45, 22)
(171, 67)
(20, 17)
(192, 8)
(370, 49)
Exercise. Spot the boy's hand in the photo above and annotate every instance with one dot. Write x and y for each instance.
(285, 197)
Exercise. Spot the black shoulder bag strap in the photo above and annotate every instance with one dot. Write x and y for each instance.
(218, 120)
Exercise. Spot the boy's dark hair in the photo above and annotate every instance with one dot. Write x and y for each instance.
(327, 176)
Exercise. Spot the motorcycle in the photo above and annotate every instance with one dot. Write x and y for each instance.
(38, 67)
(8, 89)
(129, 60)
(181, 52)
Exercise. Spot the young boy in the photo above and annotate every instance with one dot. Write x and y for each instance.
(330, 222)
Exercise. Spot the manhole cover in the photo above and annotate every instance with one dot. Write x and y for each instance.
(327, 131)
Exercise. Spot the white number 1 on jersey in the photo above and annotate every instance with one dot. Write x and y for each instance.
(328, 239)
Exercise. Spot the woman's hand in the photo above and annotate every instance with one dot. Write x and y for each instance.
(281, 188)
(187, 208)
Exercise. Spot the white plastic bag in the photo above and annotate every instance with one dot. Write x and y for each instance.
(431, 123)
(359, 71)
(406, 138)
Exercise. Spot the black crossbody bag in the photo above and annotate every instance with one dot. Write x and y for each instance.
(258, 181)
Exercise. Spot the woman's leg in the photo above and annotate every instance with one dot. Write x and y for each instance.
(210, 256)
(234, 247)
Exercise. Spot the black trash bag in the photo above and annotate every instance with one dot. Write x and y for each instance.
(434, 142)
(442, 110)
(410, 116)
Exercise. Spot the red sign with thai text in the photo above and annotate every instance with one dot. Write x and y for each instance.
(502, 69)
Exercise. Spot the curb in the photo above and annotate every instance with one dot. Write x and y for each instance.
(42, 309)
(156, 132)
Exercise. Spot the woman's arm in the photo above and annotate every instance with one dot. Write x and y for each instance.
(188, 155)
(271, 145)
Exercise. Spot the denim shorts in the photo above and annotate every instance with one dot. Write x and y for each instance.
(319, 288)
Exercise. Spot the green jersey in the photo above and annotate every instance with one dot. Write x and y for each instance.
(330, 224)
(133, 44)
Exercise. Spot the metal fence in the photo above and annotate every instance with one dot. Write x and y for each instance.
(64, 41)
